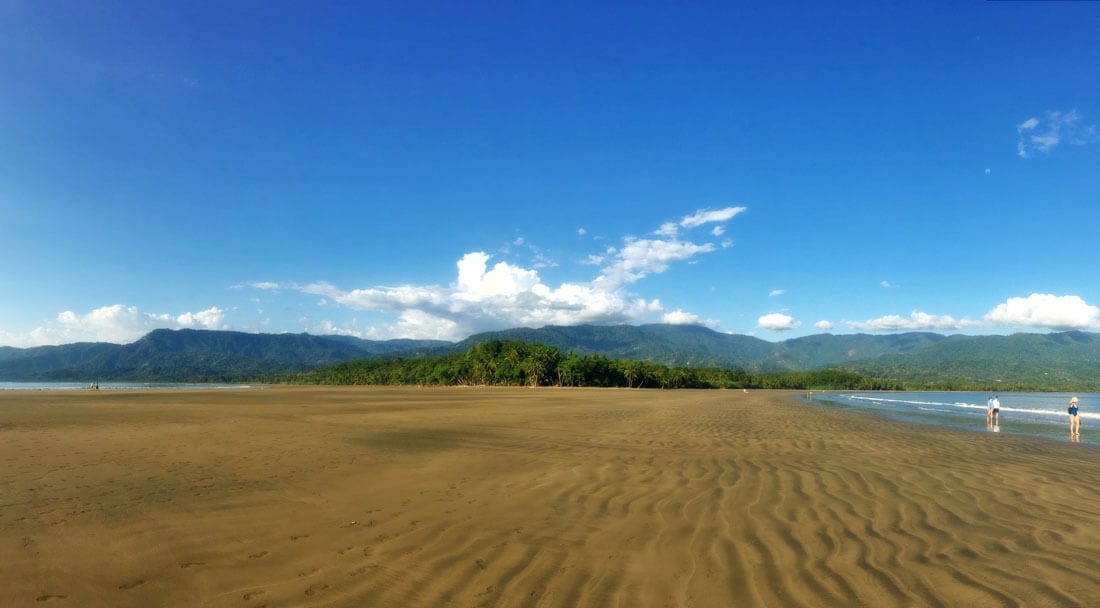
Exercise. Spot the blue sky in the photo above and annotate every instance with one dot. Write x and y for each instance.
(431, 170)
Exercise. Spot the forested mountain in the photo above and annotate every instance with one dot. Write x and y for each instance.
(193, 355)
(1037, 360)
(665, 344)
(694, 345)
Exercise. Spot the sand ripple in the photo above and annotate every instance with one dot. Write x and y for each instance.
(500, 497)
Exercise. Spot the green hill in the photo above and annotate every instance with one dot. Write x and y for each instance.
(1055, 360)
(192, 355)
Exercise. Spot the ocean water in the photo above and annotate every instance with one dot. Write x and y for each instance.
(112, 386)
(1033, 414)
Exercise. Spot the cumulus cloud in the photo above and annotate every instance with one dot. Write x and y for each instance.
(777, 321)
(1042, 135)
(117, 323)
(211, 318)
(1042, 310)
(484, 298)
(488, 295)
(1037, 311)
(679, 317)
(824, 325)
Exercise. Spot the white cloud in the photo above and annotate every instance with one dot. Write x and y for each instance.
(699, 218)
(265, 285)
(1037, 311)
(669, 229)
(1045, 311)
(917, 321)
(887, 285)
(706, 216)
(777, 321)
(485, 298)
(824, 325)
(211, 318)
(641, 257)
(488, 296)
(777, 292)
(679, 317)
(1042, 135)
(117, 323)
(425, 326)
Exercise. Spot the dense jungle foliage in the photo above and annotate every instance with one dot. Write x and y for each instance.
(516, 363)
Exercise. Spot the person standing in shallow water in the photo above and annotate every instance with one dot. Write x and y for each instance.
(995, 411)
(1074, 419)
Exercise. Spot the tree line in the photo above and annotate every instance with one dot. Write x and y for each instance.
(517, 363)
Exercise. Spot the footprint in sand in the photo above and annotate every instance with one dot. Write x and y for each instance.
(191, 564)
(313, 589)
(132, 585)
(253, 594)
(50, 596)
(257, 555)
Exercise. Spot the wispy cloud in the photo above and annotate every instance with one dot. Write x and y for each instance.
(917, 321)
(1042, 135)
(700, 218)
(777, 292)
(707, 216)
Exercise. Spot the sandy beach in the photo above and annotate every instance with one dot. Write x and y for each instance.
(528, 497)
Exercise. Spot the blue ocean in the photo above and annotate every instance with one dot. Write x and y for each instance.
(1033, 414)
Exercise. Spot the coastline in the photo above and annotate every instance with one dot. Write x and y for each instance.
(1039, 415)
(349, 496)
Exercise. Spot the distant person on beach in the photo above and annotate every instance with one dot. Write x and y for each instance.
(1074, 419)
(995, 413)
(989, 411)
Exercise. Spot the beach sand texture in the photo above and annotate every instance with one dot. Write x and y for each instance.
(528, 497)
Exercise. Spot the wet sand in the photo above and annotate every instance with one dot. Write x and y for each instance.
(528, 497)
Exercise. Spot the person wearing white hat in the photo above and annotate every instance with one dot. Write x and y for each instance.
(1074, 419)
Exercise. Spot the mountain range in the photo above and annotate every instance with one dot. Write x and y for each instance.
(1049, 360)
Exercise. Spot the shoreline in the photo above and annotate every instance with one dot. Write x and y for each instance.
(1022, 414)
(351, 496)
